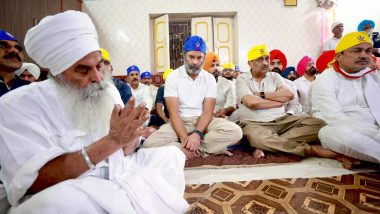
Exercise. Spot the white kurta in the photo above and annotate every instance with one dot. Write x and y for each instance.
(303, 86)
(34, 130)
(143, 94)
(293, 107)
(341, 103)
(330, 44)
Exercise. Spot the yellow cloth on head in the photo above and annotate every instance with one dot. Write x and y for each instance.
(105, 54)
(166, 73)
(229, 66)
(352, 39)
(257, 52)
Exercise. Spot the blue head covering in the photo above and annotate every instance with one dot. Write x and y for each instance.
(364, 23)
(4, 35)
(195, 43)
(287, 71)
(132, 68)
(146, 74)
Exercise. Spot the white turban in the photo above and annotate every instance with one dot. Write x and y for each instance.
(60, 41)
(33, 69)
(333, 25)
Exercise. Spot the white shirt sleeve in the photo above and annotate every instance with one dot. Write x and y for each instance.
(211, 87)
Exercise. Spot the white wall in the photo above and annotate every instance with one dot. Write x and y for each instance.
(123, 25)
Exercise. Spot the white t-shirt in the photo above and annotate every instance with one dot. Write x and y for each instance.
(247, 85)
(191, 93)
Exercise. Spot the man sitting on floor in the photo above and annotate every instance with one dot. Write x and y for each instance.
(73, 149)
(261, 97)
(347, 97)
(190, 95)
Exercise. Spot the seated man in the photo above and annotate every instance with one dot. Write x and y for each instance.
(140, 91)
(225, 92)
(123, 88)
(262, 95)
(346, 96)
(146, 79)
(29, 72)
(190, 95)
(72, 149)
(11, 58)
(162, 115)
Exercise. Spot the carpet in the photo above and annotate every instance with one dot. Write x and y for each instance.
(242, 156)
(354, 193)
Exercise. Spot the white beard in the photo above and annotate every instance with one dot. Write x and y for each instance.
(88, 109)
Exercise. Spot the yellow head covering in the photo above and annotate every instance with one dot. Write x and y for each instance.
(166, 73)
(352, 39)
(229, 66)
(105, 54)
(257, 51)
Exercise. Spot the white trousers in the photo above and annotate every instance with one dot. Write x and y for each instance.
(152, 182)
(351, 143)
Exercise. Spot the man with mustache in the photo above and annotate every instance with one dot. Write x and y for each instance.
(146, 79)
(307, 74)
(140, 91)
(190, 94)
(73, 150)
(278, 64)
(29, 72)
(337, 29)
(261, 97)
(11, 59)
(226, 92)
(346, 97)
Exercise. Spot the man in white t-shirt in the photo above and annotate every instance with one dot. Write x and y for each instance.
(190, 94)
(337, 29)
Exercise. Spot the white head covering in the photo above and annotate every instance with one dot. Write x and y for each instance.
(32, 69)
(60, 41)
(333, 25)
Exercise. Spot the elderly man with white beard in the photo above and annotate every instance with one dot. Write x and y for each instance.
(73, 149)
(190, 94)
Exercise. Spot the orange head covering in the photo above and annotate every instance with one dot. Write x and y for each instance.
(210, 57)
(325, 60)
(277, 54)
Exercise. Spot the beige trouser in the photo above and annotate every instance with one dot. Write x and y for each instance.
(290, 134)
(219, 134)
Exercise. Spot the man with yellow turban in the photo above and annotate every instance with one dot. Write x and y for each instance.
(262, 96)
(123, 88)
(347, 97)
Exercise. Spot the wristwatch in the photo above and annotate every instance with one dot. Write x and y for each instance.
(262, 94)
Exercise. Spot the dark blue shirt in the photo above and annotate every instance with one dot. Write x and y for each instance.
(124, 89)
(17, 82)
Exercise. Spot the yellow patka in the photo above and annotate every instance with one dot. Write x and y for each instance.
(105, 54)
(257, 51)
(352, 39)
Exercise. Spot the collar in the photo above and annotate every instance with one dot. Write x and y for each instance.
(348, 75)
(183, 73)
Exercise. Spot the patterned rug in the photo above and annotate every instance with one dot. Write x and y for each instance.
(355, 193)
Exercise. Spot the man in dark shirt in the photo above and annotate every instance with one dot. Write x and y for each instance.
(11, 59)
(123, 88)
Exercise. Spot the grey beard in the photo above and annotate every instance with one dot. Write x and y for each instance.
(192, 69)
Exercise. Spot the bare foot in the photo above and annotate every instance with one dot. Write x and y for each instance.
(190, 154)
(348, 162)
(319, 151)
(258, 153)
